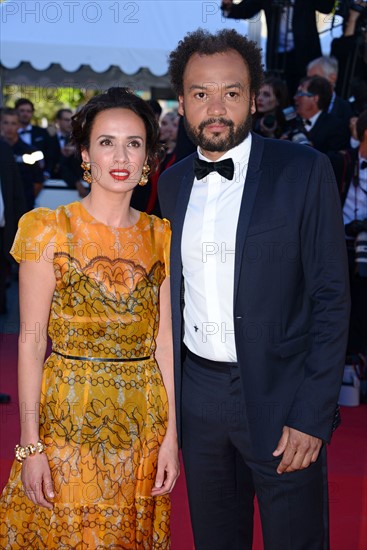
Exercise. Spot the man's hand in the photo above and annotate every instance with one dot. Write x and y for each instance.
(299, 450)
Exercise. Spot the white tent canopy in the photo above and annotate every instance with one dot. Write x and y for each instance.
(91, 37)
(81, 43)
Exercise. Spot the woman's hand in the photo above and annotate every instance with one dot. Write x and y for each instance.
(37, 481)
(168, 468)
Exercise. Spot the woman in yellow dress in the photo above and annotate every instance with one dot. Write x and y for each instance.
(98, 450)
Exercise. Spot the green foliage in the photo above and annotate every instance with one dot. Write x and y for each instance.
(47, 101)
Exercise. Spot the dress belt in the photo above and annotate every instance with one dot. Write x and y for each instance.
(102, 359)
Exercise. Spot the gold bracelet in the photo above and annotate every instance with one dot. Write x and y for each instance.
(21, 453)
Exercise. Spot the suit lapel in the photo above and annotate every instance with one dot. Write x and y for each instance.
(179, 215)
(318, 124)
(248, 199)
(177, 223)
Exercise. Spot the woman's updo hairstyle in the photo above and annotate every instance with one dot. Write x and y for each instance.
(117, 98)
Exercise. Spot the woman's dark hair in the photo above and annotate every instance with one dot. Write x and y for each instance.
(117, 98)
(280, 90)
(204, 43)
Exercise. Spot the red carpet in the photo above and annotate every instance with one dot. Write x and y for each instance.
(347, 468)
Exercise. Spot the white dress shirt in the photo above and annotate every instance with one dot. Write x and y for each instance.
(310, 122)
(355, 206)
(25, 134)
(62, 139)
(208, 253)
(332, 101)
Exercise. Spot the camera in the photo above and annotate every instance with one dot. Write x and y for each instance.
(358, 229)
(355, 227)
(269, 121)
(294, 129)
(361, 254)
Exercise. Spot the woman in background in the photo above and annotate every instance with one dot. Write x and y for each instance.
(269, 120)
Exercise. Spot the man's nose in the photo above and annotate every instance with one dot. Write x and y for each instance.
(216, 105)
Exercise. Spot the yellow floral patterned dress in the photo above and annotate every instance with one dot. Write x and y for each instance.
(103, 407)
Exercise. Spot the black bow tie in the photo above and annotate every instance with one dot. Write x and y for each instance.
(224, 168)
(363, 165)
(25, 131)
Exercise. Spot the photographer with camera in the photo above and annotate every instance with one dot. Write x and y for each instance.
(350, 167)
(269, 120)
(324, 131)
(351, 48)
(293, 39)
(328, 68)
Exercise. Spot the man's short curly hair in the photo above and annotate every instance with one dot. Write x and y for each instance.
(204, 43)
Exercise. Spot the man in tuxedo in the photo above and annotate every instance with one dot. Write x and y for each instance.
(327, 67)
(30, 171)
(62, 160)
(12, 207)
(326, 132)
(350, 167)
(32, 135)
(260, 295)
(293, 38)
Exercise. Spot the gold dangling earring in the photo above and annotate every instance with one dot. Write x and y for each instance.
(87, 176)
(144, 175)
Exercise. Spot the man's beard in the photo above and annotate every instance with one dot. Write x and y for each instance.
(217, 143)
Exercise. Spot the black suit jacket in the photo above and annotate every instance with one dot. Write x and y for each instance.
(62, 167)
(13, 194)
(306, 38)
(342, 110)
(40, 139)
(329, 134)
(345, 168)
(291, 292)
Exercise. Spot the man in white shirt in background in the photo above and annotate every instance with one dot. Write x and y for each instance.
(350, 167)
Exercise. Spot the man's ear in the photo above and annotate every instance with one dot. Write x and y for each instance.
(333, 77)
(180, 109)
(316, 100)
(252, 104)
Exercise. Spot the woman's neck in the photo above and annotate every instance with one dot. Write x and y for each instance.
(112, 210)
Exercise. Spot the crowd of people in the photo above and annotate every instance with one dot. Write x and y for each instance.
(221, 328)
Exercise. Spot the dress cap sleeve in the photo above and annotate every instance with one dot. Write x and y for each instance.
(167, 246)
(36, 233)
